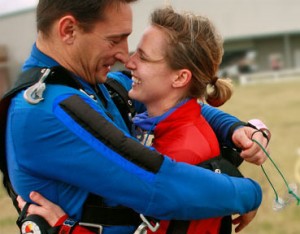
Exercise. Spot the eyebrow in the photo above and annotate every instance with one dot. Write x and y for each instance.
(142, 52)
(124, 35)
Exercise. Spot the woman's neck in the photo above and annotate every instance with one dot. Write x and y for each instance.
(158, 108)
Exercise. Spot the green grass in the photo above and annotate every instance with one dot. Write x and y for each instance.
(8, 215)
(278, 105)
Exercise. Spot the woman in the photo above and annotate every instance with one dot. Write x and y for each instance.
(175, 66)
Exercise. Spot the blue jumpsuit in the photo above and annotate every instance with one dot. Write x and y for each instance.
(66, 156)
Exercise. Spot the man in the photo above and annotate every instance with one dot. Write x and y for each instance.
(75, 143)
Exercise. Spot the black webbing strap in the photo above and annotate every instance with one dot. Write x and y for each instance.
(227, 163)
(226, 225)
(178, 227)
(4, 105)
(95, 211)
(232, 155)
(120, 97)
(112, 84)
(182, 226)
(58, 75)
(222, 165)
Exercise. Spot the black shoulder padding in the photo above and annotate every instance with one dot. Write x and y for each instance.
(110, 135)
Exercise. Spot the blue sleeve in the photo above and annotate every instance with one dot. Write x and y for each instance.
(122, 78)
(220, 122)
(207, 194)
(103, 160)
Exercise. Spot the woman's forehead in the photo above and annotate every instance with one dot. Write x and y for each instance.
(153, 42)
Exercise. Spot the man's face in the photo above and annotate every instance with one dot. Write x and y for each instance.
(152, 77)
(96, 51)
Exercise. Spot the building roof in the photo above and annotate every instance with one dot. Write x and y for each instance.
(233, 18)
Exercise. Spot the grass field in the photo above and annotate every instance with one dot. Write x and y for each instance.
(278, 105)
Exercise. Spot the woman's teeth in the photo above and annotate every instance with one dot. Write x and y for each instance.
(136, 81)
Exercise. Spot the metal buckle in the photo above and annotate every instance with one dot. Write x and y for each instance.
(34, 94)
(92, 225)
(146, 224)
(142, 229)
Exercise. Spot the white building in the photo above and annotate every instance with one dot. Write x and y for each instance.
(267, 30)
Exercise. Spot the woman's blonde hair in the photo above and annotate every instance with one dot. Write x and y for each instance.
(194, 44)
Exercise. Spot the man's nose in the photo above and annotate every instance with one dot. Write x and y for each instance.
(123, 55)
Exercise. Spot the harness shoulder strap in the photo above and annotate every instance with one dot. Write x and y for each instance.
(58, 75)
(22, 82)
(120, 97)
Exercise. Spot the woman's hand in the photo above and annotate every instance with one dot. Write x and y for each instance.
(44, 208)
(251, 152)
(243, 220)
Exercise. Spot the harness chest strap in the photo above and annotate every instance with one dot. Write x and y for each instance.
(96, 212)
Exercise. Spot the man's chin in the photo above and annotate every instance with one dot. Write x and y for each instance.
(101, 77)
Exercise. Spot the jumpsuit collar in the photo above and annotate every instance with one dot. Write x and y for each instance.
(145, 122)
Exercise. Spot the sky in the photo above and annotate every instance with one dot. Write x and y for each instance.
(10, 6)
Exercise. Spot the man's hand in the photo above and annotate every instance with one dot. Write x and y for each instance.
(46, 209)
(251, 152)
(243, 220)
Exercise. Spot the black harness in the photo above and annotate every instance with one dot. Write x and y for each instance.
(95, 211)
(27, 79)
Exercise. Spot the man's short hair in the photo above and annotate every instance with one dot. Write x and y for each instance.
(86, 12)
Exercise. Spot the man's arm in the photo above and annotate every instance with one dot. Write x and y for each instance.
(112, 163)
(221, 123)
(234, 133)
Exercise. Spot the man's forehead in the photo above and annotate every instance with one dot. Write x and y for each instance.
(121, 14)
(118, 20)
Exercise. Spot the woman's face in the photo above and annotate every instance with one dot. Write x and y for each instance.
(152, 77)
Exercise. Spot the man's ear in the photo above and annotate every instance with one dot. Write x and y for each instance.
(183, 78)
(67, 28)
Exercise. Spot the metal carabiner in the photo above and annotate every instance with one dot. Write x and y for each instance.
(142, 229)
(34, 94)
(92, 225)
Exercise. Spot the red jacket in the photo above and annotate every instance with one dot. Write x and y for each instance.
(185, 136)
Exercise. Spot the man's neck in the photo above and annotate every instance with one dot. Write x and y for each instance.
(51, 48)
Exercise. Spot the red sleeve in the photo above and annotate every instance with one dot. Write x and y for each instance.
(61, 220)
(81, 230)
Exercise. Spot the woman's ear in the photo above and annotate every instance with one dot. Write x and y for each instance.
(182, 79)
(67, 28)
